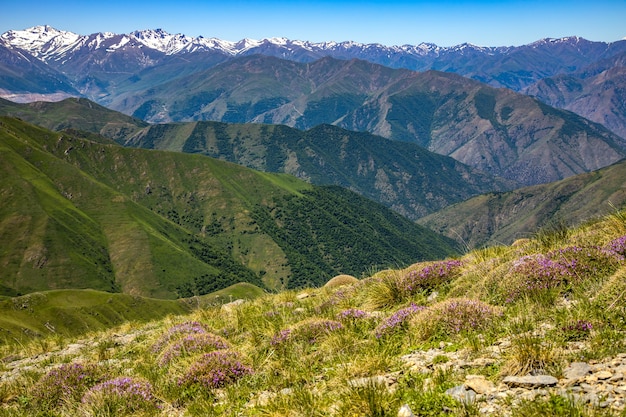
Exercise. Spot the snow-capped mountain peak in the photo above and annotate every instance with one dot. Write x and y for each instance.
(40, 40)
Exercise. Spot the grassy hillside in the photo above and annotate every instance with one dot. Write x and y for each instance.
(400, 175)
(501, 218)
(533, 329)
(74, 113)
(84, 214)
(72, 313)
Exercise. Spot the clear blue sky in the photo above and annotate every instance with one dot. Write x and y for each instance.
(393, 22)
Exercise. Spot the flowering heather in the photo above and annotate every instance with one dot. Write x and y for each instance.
(192, 343)
(539, 272)
(431, 276)
(352, 314)
(397, 320)
(577, 330)
(280, 337)
(67, 382)
(616, 248)
(215, 369)
(456, 315)
(175, 332)
(308, 330)
(121, 396)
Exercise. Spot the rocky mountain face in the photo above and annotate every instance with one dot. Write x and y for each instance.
(597, 92)
(497, 131)
(161, 77)
(513, 67)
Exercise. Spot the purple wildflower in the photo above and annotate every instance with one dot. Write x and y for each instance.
(397, 320)
(561, 267)
(463, 314)
(616, 248)
(123, 395)
(309, 330)
(192, 343)
(430, 276)
(280, 337)
(216, 369)
(175, 332)
(352, 314)
(577, 330)
(67, 382)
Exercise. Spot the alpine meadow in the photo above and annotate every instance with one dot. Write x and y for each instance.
(196, 227)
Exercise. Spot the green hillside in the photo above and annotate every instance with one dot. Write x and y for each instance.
(501, 218)
(83, 214)
(403, 176)
(400, 175)
(532, 329)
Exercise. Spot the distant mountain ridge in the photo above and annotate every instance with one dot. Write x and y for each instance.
(497, 131)
(400, 175)
(501, 218)
(160, 77)
(78, 213)
(505, 66)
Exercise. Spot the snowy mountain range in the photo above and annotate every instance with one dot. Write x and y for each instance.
(48, 43)
(118, 70)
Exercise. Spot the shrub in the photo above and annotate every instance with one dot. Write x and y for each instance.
(341, 280)
(529, 354)
(215, 369)
(192, 343)
(175, 332)
(533, 275)
(310, 330)
(397, 321)
(454, 316)
(384, 290)
(68, 382)
(430, 276)
(120, 396)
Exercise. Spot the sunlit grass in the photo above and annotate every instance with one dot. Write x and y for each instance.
(337, 350)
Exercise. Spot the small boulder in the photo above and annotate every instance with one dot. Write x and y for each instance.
(531, 381)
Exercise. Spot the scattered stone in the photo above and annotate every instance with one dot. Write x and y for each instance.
(479, 384)
(531, 381)
(603, 375)
(577, 370)
(303, 295)
(460, 393)
(228, 307)
(405, 411)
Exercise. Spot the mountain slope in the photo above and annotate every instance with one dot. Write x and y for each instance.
(597, 92)
(513, 67)
(83, 214)
(400, 175)
(494, 130)
(25, 78)
(74, 113)
(503, 217)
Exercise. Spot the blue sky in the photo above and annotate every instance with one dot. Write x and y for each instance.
(394, 22)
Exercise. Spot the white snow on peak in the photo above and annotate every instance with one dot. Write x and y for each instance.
(40, 40)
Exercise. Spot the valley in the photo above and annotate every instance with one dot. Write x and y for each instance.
(191, 226)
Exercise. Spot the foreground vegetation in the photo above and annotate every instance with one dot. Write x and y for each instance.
(392, 344)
